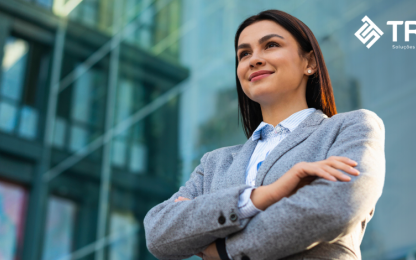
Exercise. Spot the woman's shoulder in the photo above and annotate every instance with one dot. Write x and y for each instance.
(360, 122)
(227, 150)
(359, 116)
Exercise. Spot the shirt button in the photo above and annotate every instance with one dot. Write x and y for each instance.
(221, 220)
(233, 217)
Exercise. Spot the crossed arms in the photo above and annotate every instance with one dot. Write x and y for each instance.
(321, 211)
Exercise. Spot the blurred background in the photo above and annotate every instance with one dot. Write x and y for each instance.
(107, 106)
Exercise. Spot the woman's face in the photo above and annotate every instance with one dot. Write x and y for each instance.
(266, 45)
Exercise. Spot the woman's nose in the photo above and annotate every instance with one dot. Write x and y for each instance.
(256, 61)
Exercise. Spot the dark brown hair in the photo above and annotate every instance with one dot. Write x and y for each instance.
(319, 92)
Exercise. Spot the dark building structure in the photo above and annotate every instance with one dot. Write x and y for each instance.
(88, 131)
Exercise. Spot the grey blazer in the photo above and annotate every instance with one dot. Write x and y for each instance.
(323, 220)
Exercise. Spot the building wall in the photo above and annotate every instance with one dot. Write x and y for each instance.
(88, 125)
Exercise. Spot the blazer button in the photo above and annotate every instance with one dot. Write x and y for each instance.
(233, 217)
(245, 258)
(221, 220)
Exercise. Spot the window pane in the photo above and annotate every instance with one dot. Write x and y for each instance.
(138, 158)
(79, 138)
(8, 116)
(126, 225)
(45, 3)
(145, 34)
(124, 100)
(118, 155)
(28, 122)
(13, 68)
(59, 133)
(88, 97)
(90, 11)
(59, 228)
(81, 96)
(12, 201)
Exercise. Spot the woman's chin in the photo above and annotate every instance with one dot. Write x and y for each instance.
(263, 98)
(261, 90)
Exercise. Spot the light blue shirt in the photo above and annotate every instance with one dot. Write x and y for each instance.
(270, 137)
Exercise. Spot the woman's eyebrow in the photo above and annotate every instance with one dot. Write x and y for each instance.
(262, 39)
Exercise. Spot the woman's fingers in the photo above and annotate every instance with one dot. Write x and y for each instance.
(180, 198)
(324, 174)
(343, 166)
(330, 169)
(343, 159)
(337, 174)
(334, 164)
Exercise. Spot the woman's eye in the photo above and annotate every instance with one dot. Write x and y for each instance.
(241, 54)
(272, 43)
(268, 45)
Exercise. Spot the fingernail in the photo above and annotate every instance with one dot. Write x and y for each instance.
(354, 162)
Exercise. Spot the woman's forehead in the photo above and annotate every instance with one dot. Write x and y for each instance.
(257, 30)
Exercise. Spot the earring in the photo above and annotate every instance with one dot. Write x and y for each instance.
(309, 71)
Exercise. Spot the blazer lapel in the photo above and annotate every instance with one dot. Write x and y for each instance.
(237, 170)
(303, 131)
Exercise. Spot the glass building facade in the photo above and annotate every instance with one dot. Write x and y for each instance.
(107, 106)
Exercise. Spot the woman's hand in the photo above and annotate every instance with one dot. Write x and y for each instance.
(302, 174)
(211, 252)
(180, 198)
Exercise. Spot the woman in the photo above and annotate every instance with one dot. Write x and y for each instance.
(292, 190)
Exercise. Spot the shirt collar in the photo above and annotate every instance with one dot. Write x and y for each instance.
(289, 123)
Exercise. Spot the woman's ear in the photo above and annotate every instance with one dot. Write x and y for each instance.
(311, 61)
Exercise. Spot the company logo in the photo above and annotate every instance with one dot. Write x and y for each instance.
(371, 30)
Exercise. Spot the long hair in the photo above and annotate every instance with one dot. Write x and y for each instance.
(319, 92)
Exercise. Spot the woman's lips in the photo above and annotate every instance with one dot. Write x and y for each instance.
(260, 76)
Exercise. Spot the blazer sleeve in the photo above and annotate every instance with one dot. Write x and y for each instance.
(178, 230)
(323, 210)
